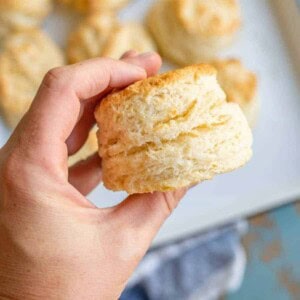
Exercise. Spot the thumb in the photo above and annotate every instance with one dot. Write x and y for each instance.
(143, 214)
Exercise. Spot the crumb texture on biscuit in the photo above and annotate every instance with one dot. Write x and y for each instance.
(25, 59)
(170, 131)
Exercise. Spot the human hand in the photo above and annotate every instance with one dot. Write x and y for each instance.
(54, 243)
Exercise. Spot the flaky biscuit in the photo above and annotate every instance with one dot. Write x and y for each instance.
(25, 59)
(100, 34)
(87, 6)
(90, 147)
(192, 31)
(170, 131)
(20, 14)
(239, 85)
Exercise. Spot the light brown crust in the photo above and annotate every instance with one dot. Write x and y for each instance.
(145, 86)
(88, 6)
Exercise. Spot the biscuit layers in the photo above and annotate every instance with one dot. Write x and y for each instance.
(170, 131)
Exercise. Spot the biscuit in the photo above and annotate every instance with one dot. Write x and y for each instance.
(129, 36)
(239, 85)
(193, 31)
(89, 39)
(100, 34)
(87, 6)
(20, 14)
(89, 148)
(25, 59)
(170, 131)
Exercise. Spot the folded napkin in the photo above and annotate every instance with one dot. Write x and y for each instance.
(203, 266)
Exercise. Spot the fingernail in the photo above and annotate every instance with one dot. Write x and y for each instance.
(130, 53)
(146, 54)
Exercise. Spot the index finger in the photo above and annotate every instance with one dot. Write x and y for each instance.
(56, 107)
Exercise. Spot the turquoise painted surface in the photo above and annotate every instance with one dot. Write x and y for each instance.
(273, 247)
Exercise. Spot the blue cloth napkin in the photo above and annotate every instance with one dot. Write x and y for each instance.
(203, 266)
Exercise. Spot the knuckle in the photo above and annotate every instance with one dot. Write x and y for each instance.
(55, 79)
(8, 169)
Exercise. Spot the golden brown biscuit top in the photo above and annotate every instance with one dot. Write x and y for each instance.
(144, 87)
(239, 83)
(94, 5)
(208, 17)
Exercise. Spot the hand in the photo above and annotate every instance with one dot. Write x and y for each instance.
(54, 243)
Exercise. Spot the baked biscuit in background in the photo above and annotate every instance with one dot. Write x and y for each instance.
(170, 131)
(89, 148)
(193, 31)
(90, 37)
(22, 14)
(100, 34)
(88, 6)
(24, 60)
(239, 85)
(128, 36)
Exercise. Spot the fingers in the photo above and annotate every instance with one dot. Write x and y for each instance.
(149, 61)
(81, 131)
(130, 53)
(56, 108)
(86, 175)
(62, 90)
(151, 64)
(142, 215)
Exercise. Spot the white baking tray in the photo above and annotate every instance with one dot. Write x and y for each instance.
(273, 175)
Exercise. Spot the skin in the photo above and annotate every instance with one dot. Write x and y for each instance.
(55, 244)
